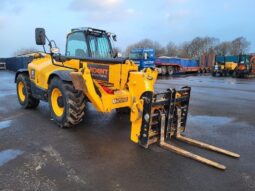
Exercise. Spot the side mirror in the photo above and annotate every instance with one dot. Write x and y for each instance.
(40, 36)
(114, 37)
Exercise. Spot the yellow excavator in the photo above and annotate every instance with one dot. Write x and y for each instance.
(90, 71)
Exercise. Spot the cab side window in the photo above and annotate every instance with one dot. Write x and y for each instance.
(76, 45)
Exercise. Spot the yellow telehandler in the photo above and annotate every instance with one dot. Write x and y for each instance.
(91, 72)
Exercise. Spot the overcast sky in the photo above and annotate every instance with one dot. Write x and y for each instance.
(131, 20)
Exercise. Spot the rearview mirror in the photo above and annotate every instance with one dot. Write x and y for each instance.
(40, 36)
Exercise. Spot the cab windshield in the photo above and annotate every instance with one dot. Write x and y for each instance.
(80, 45)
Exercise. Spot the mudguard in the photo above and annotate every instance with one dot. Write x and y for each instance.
(62, 74)
(19, 72)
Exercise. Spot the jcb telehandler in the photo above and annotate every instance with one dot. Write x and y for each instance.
(89, 72)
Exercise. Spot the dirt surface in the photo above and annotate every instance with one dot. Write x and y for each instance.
(97, 155)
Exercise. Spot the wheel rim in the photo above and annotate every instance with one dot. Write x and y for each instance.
(56, 95)
(21, 88)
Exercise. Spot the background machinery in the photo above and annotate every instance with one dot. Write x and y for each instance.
(143, 57)
(89, 72)
(225, 65)
(245, 66)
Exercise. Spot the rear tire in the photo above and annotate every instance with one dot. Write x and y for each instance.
(66, 104)
(24, 93)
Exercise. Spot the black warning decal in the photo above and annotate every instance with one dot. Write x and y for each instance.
(99, 71)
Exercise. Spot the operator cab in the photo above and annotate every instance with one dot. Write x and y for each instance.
(90, 43)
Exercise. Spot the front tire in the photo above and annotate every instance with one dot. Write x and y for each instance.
(66, 104)
(24, 92)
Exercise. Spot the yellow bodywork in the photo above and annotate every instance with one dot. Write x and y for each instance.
(125, 82)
